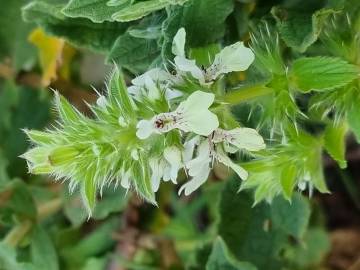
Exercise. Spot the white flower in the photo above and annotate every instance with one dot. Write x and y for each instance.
(192, 115)
(173, 157)
(166, 167)
(235, 57)
(198, 168)
(153, 81)
(178, 45)
(222, 157)
(185, 65)
(182, 64)
(241, 138)
(210, 149)
(157, 166)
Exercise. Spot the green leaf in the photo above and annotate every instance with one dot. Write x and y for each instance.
(95, 10)
(13, 35)
(311, 253)
(43, 253)
(95, 264)
(93, 244)
(20, 107)
(113, 201)
(203, 20)
(139, 10)
(292, 217)
(321, 73)
(80, 32)
(18, 203)
(204, 56)
(221, 259)
(353, 118)
(335, 142)
(133, 54)
(288, 180)
(8, 259)
(259, 234)
(298, 28)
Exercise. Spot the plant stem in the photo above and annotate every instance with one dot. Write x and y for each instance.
(14, 237)
(246, 93)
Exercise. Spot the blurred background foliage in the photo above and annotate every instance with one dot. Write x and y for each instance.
(70, 46)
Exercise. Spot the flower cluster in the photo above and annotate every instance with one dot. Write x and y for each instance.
(163, 123)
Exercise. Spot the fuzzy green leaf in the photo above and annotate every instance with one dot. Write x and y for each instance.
(203, 25)
(221, 259)
(134, 54)
(118, 93)
(335, 142)
(139, 10)
(95, 10)
(321, 73)
(78, 31)
(68, 114)
(300, 29)
(88, 193)
(353, 118)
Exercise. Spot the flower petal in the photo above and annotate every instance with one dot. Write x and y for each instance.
(156, 74)
(202, 160)
(186, 65)
(197, 117)
(195, 181)
(189, 147)
(173, 157)
(178, 45)
(223, 158)
(145, 129)
(247, 138)
(235, 57)
(157, 167)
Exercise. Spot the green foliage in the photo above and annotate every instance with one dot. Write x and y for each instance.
(14, 47)
(78, 31)
(298, 28)
(353, 120)
(95, 10)
(179, 118)
(322, 73)
(203, 25)
(259, 234)
(134, 54)
(43, 253)
(296, 164)
(220, 258)
(335, 142)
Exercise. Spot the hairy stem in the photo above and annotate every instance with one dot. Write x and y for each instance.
(246, 93)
